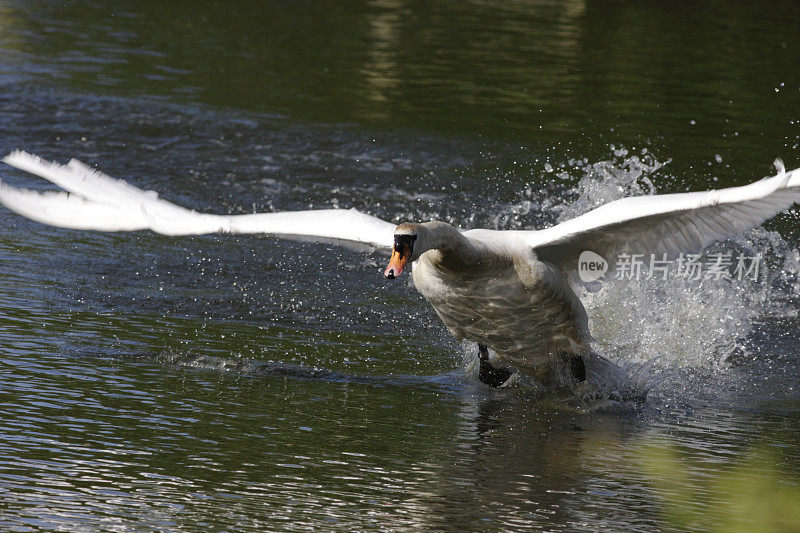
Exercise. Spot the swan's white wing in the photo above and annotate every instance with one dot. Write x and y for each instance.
(98, 202)
(669, 223)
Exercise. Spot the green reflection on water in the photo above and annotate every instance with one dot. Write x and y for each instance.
(754, 494)
(701, 79)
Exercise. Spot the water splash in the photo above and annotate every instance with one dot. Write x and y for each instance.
(680, 323)
(603, 182)
(658, 329)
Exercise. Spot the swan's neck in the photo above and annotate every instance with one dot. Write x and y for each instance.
(448, 249)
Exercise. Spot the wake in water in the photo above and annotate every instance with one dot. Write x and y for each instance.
(269, 369)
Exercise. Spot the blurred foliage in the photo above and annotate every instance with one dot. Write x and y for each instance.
(754, 494)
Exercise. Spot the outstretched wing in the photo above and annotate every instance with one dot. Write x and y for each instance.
(95, 201)
(669, 223)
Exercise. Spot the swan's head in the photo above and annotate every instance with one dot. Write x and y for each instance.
(405, 239)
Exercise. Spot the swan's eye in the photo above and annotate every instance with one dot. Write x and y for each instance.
(404, 245)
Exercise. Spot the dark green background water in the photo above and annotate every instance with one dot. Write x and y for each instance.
(243, 383)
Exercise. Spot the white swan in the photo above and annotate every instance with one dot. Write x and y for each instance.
(505, 290)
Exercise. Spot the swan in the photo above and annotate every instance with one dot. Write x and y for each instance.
(507, 291)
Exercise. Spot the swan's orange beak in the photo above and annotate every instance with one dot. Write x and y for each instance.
(396, 264)
(403, 249)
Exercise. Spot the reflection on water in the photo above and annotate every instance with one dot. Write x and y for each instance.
(694, 79)
(380, 71)
(221, 382)
(750, 496)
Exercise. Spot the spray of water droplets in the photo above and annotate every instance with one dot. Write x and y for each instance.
(653, 327)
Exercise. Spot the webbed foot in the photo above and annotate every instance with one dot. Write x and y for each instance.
(494, 377)
(577, 367)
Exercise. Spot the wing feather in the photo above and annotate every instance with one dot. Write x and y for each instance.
(670, 223)
(95, 201)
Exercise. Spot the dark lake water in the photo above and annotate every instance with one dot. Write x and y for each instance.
(222, 383)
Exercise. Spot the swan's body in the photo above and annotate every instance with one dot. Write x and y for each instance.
(503, 297)
(507, 290)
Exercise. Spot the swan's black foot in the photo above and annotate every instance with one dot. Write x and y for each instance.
(577, 367)
(488, 374)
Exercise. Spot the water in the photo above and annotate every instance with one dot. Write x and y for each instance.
(223, 382)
